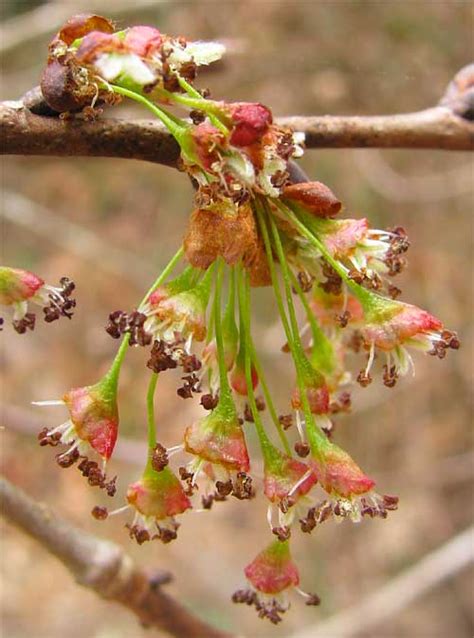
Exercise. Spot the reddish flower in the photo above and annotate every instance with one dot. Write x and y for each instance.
(219, 439)
(339, 474)
(286, 477)
(273, 570)
(20, 287)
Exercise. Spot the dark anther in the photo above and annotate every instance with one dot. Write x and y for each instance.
(100, 513)
(364, 379)
(282, 533)
(27, 323)
(313, 600)
(209, 402)
(224, 488)
(67, 459)
(242, 487)
(301, 449)
(159, 459)
(286, 421)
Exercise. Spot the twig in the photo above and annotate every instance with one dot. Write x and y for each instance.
(433, 569)
(103, 567)
(23, 133)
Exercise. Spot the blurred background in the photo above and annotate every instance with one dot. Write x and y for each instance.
(112, 224)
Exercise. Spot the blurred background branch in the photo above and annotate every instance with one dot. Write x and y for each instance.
(103, 566)
(439, 565)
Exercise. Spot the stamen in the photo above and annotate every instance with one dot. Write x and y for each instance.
(44, 403)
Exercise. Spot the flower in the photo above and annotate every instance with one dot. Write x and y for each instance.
(272, 574)
(392, 326)
(156, 499)
(179, 309)
(218, 438)
(20, 287)
(368, 251)
(93, 419)
(350, 490)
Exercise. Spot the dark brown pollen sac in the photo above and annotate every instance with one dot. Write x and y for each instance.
(390, 376)
(209, 402)
(67, 459)
(283, 533)
(161, 358)
(302, 449)
(45, 438)
(286, 421)
(242, 487)
(333, 283)
(100, 513)
(364, 379)
(224, 488)
(313, 600)
(207, 501)
(27, 323)
(159, 459)
(343, 319)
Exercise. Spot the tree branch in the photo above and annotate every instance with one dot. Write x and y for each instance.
(448, 126)
(434, 568)
(103, 566)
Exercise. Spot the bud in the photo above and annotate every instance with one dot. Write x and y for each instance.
(392, 326)
(64, 85)
(143, 40)
(250, 122)
(314, 197)
(92, 427)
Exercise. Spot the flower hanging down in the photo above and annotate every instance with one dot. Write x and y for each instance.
(272, 575)
(20, 288)
(249, 227)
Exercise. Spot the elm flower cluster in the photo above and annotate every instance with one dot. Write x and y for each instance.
(254, 224)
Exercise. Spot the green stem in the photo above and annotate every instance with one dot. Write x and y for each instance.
(244, 309)
(150, 409)
(173, 124)
(268, 399)
(225, 392)
(361, 293)
(317, 437)
(164, 274)
(319, 338)
(203, 104)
